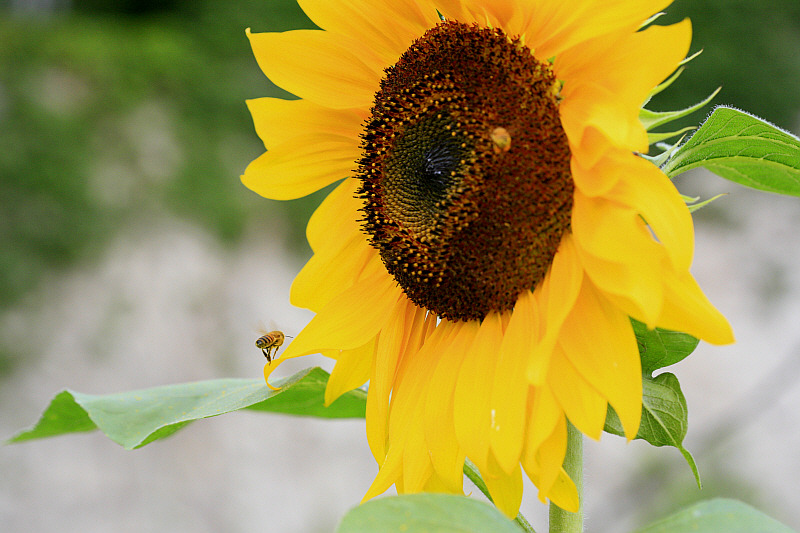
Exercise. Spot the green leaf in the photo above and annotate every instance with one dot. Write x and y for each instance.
(744, 149)
(717, 515)
(665, 416)
(661, 347)
(428, 513)
(133, 419)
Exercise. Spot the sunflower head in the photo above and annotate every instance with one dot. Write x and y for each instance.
(481, 267)
(465, 173)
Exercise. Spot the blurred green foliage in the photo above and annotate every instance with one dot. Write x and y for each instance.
(108, 116)
(116, 110)
(749, 49)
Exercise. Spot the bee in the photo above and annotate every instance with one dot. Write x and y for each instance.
(269, 343)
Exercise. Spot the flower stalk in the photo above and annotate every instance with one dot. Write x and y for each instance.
(562, 521)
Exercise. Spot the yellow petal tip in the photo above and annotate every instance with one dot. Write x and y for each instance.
(267, 371)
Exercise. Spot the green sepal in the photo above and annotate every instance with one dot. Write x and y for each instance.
(653, 138)
(714, 516)
(659, 159)
(134, 419)
(669, 81)
(426, 513)
(652, 19)
(663, 85)
(654, 119)
(694, 207)
(743, 149)
(664, 416)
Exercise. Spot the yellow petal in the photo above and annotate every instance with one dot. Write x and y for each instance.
(628, 64)
(582, 404)
(410, 389)
(390, 471)
(556, 295)
(389, 27)
(650, 192)
(411, 382)
(602, 175)
(542, 461)
(505, 489)
(619, 254)
(456, 10)
(473, 389)
(564, 493)
(300, 166)
(336, 215)
(277, 120)
(268, 369)
(417, 468)
(551, 456)
(350, 320)
(510, 388)
(511, 16)
(437, 484)
(406, 321)
(325, 276)
(405, 432)
(447, 456)
(351, 371)
(590, 109)
(687, 309)
(557, 25)
(608, 78)
(640, 60)
(544, 417)
(326, 68)
(598, 340)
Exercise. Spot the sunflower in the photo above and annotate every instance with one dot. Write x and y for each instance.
(493, 231)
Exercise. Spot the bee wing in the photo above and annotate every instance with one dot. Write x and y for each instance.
(260, 328)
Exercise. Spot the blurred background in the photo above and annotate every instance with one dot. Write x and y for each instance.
(131, 256)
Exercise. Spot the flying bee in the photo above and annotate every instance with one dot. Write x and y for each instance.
(269, 343)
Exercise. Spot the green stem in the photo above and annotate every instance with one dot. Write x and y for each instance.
(562, 521)
(474, 475)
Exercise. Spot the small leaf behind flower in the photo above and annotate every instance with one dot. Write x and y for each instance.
(664, 416)
(426, 513)
(133, 419)
(661, 347)
(744, 149)
(714, 516)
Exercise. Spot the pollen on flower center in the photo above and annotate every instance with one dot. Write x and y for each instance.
(466, 171)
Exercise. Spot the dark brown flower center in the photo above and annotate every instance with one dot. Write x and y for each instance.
(466, 171)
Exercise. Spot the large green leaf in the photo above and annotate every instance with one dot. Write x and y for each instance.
(743, 149)
(428, 513)
(661, 347)
(665, 416)
(715, 516)
(133, 419)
